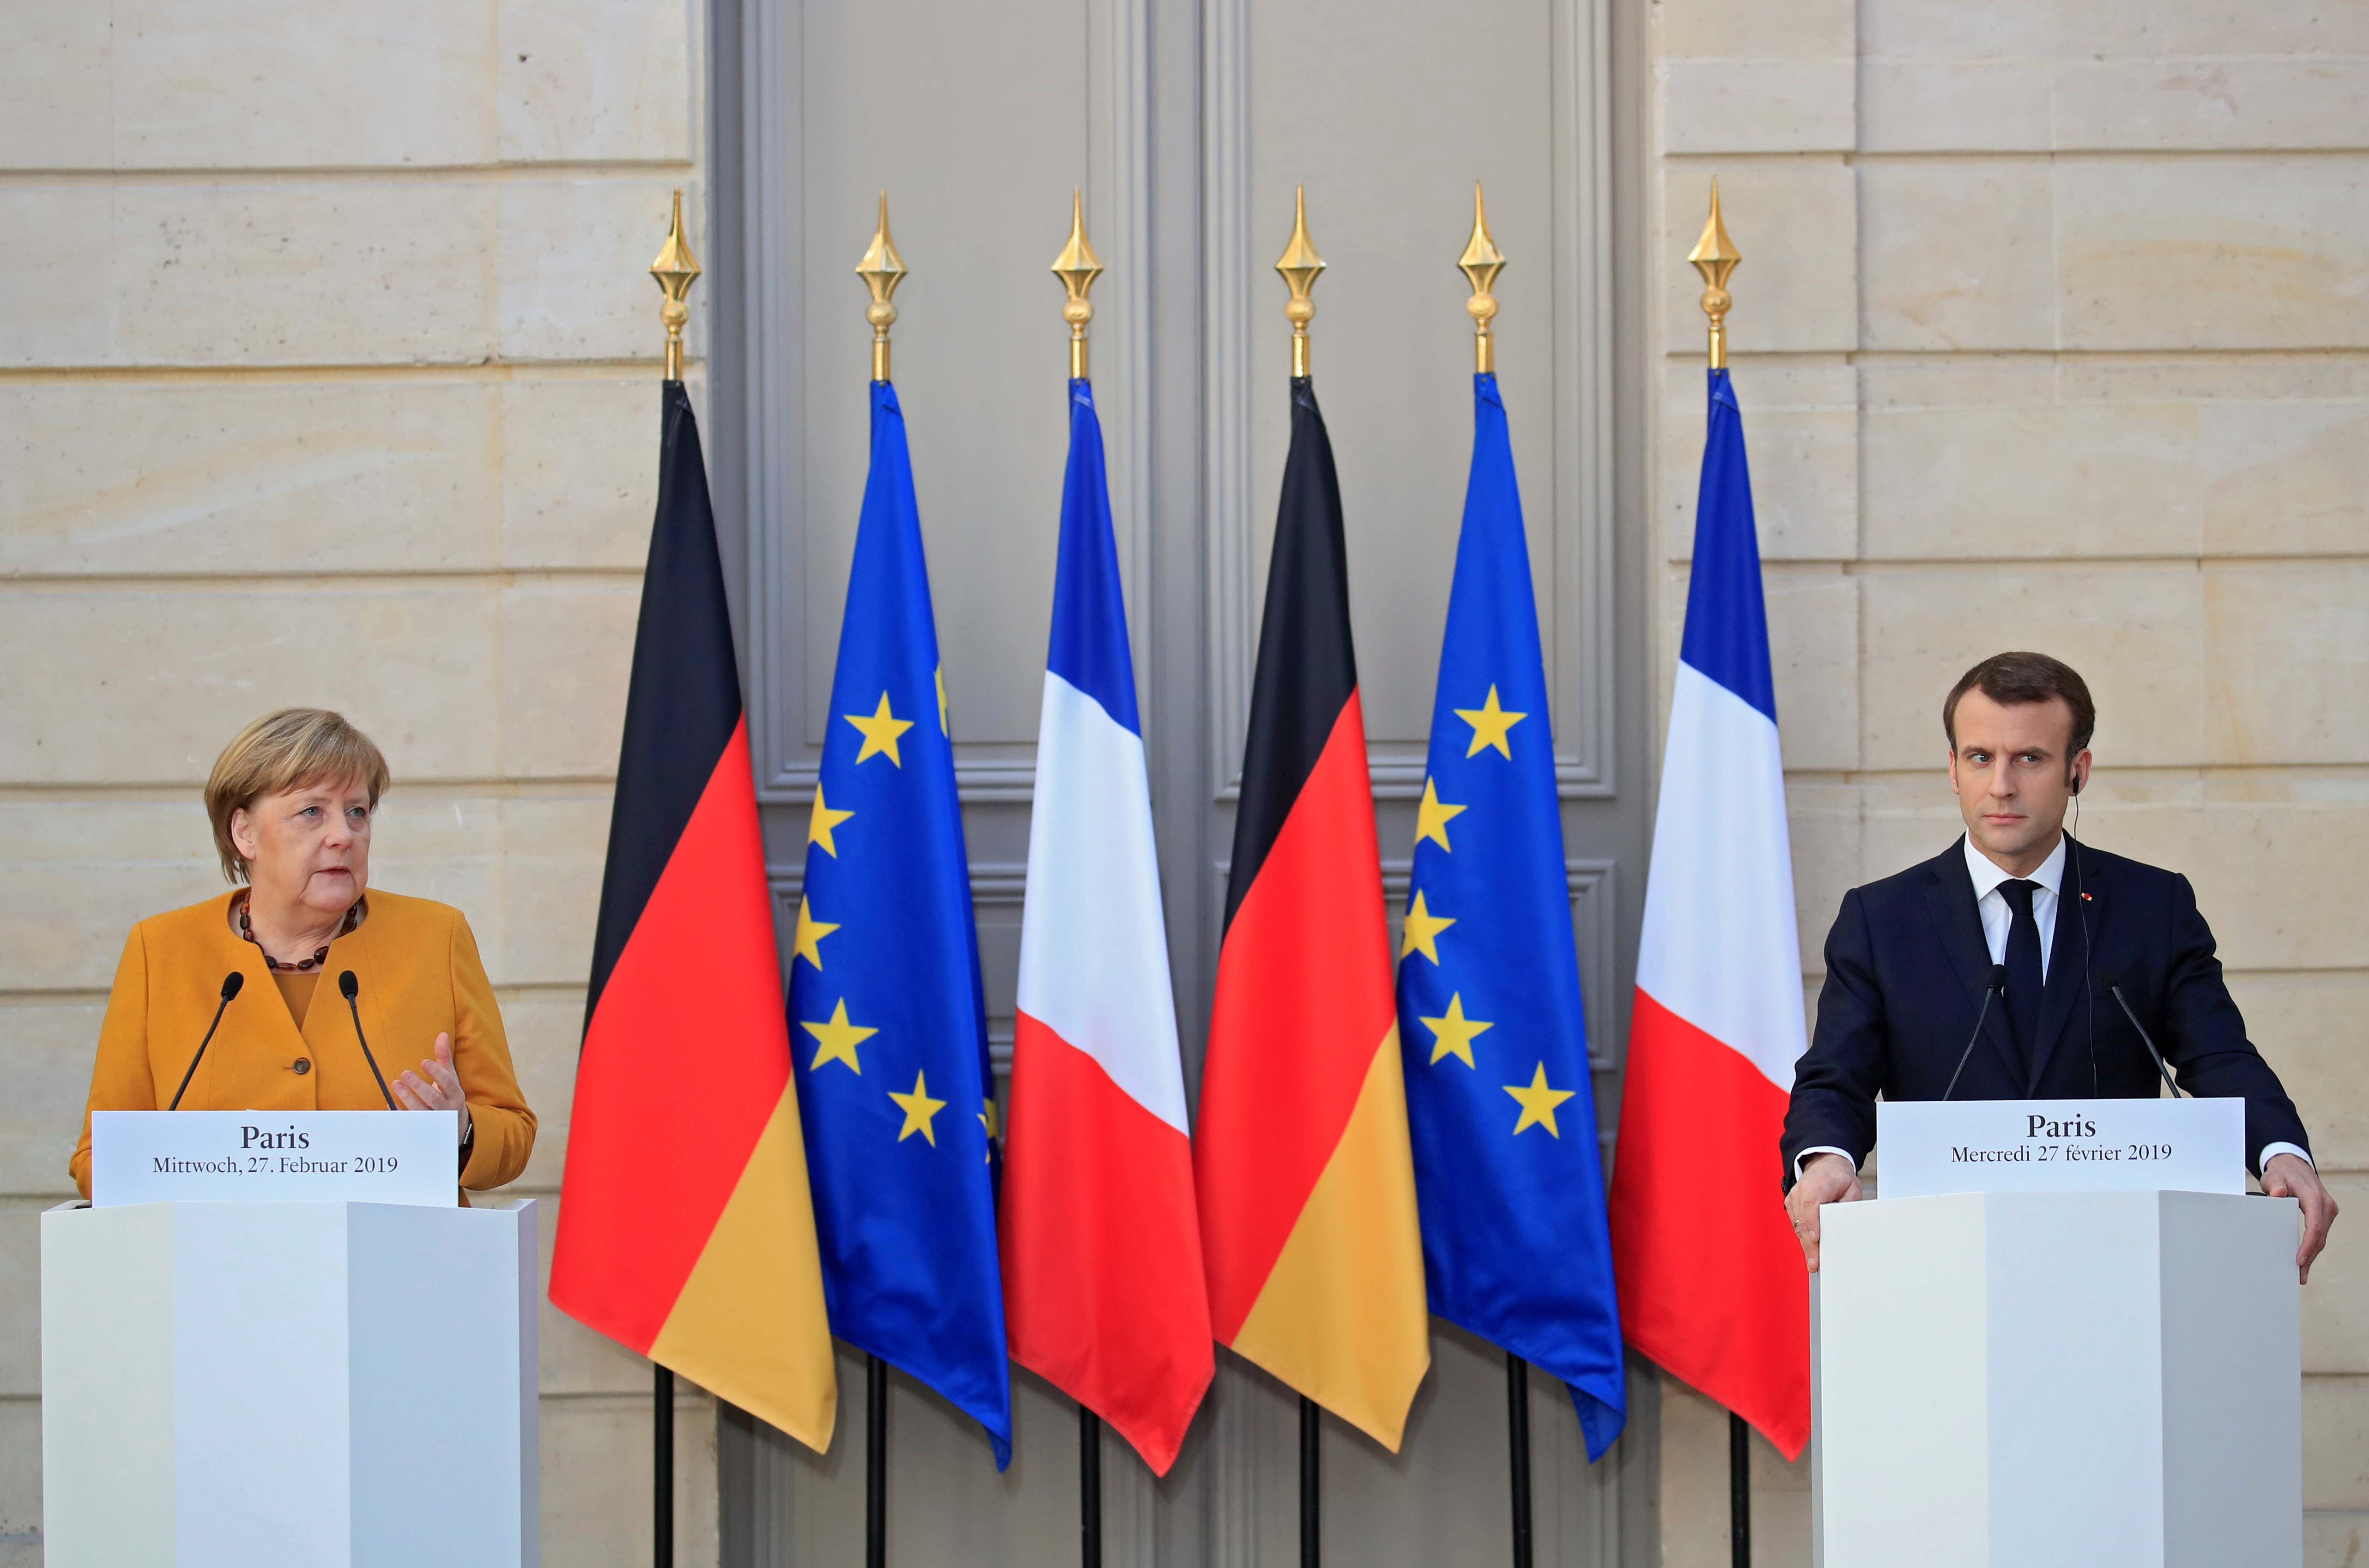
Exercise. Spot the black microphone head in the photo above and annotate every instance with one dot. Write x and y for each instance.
(231, 982)
(1999, 976)
(349, 987)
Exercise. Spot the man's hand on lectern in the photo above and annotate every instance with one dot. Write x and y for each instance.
(1830, 1178)
(2283, 1175)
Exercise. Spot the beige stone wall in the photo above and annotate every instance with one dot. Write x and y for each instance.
(327, 376)
(2051, 332)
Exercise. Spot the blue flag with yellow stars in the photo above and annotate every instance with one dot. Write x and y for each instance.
(1507, 1177)
(887, 1024)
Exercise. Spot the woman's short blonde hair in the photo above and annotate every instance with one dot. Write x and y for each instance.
(290, 749)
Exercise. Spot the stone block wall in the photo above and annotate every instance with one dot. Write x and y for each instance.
(328, 376)
(2052, 331)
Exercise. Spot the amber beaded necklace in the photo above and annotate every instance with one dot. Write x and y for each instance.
(247, 930)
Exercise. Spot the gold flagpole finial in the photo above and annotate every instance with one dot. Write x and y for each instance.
(674, 269)
(1715, 257)
(1077, 269)
(1480, 263)
(882, 270)
(1300, 265)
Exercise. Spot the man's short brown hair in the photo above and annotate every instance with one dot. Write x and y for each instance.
(290, 749)
(2013, 678)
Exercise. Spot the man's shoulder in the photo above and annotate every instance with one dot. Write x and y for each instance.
(1911, 884)
(2087, 862)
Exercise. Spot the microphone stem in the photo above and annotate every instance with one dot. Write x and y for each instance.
(354, 1007)
(219, 1008)
(2146, 1039)
(1988, 992)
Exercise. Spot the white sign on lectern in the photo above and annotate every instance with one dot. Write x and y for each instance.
(408, 1157)
(1932, 1147)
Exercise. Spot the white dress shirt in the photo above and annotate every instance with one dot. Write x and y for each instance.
(1991, 904)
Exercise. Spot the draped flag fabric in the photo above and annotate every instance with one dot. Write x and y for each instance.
(1507, 1171)
(1712, 1282)
(1102, 1252)
(884, 1001)
(685, 1230)
(1300, 1155)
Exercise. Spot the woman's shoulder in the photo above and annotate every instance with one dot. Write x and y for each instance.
(403, 912)
(173, 927)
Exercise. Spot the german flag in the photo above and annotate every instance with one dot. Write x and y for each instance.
(685, 1230)
(1300, 1156)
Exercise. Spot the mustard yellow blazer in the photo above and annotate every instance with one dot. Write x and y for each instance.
(420, 977)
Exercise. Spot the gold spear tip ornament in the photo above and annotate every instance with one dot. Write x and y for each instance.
(882, 270)
(1077, 269)
(675, 269)
(1715, 257)
(1480, 263)
(1300, 265)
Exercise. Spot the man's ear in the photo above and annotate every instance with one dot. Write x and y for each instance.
(1954, 771)
(2080, 770)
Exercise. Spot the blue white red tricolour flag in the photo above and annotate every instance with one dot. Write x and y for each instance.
(1713, 1287)
(1103, 1293)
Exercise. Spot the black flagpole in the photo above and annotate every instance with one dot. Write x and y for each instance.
(875, 1463)
(1311, 1483)
(1739, 1491)
(662, 1468)
(1517, 1432)
(1090, 1488)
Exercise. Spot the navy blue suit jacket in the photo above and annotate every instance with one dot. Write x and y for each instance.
(1906, 967)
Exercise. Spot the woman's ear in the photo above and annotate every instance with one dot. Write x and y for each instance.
(242, 834)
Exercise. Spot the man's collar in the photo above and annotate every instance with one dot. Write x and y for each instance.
(1987, 875)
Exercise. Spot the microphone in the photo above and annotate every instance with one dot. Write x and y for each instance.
(230, 987)
(1997, 987)
(2114, 988)
(348, 988)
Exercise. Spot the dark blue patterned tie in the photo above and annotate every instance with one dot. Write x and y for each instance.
(2023, 982)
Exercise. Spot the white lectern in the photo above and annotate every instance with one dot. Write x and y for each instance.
(2107, 1379)
(323, 1384)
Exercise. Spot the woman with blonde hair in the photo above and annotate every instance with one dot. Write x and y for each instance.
(291, 800)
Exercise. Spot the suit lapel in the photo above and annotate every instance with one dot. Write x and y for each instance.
(2068, 967)
(1951, 899)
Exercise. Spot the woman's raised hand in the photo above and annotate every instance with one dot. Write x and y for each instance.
(439, 1091)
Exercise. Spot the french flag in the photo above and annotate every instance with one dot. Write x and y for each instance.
(1712, 1285)
(1103, 1294)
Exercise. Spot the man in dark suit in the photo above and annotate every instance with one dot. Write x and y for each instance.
(1911, 958)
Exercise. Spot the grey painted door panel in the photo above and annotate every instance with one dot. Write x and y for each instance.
(1187, 125)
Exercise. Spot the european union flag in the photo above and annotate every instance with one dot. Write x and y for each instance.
(1507, 1178)
(888, 1022)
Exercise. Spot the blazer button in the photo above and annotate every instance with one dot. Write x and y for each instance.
(303, 1066)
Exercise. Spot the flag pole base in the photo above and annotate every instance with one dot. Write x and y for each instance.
(661, 1467)
(1311, 1483)
(875, 1463)
(1517, 1436)
(1739, 1491)
(1090, 1488)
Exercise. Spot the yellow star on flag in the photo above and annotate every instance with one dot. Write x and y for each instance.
(822, 821)
(919, 1108)
(880, 731)
(942, 703)
(1423, 929)
(810, 934)
(1432, 817)
(1453, 1035)
(839, 1040)
(1538, 1103)
(1490, 726)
